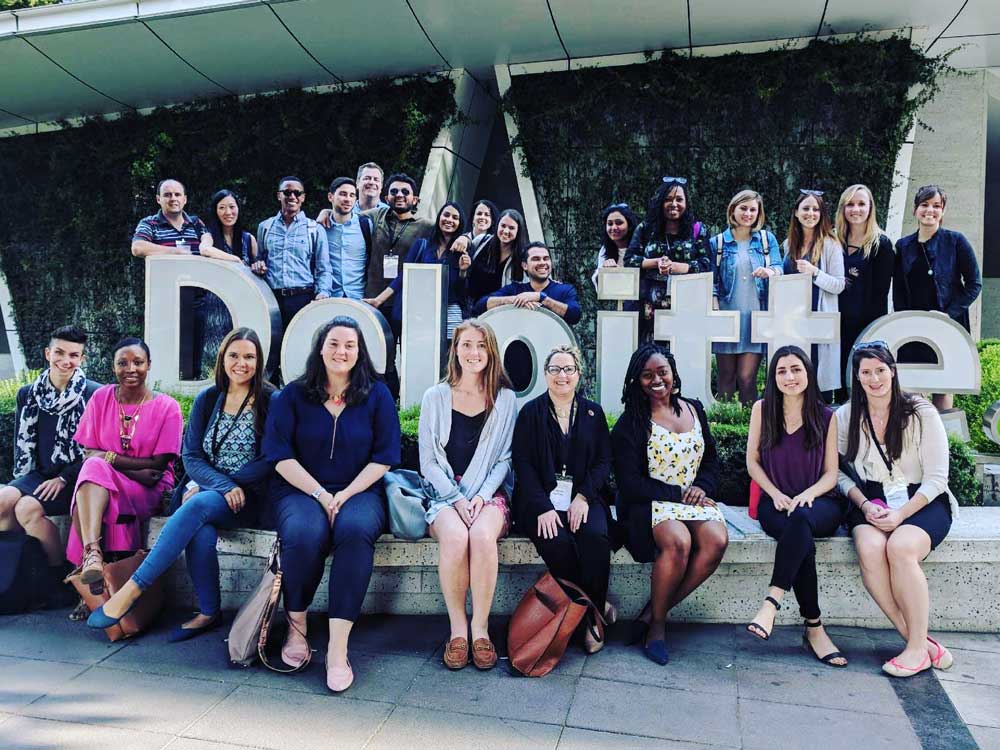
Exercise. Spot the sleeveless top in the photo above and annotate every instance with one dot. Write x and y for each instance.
(791, 465)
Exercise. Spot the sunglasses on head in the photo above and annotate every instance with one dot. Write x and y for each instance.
(616, 206)
(290, 193)
(878, 344)
(675, 180)
(399, 191)
(817, 193)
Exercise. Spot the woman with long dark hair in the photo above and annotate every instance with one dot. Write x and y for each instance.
(227, 229)
(496, 258)
(618, 226)
(227, 473)
(332, 434)
(935, 269)
(811, 248)
(437, 248)
(466, 424)
(668, 242)
(792, 455)
(667, 470)
(896, 479)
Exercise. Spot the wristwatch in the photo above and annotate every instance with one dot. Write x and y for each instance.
(316, 493)
(542, 296)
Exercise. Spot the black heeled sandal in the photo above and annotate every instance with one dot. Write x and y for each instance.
(828, 659)
(758, 630)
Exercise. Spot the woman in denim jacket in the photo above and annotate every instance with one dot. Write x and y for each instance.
(936, 269)
(668, 242)
(746, 256)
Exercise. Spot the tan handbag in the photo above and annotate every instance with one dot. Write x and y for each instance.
(116, 575)
(544, 621)
(252, 625)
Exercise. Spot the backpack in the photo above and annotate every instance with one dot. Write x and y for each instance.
(24, 579)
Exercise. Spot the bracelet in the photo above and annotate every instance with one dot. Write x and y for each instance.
(862, 506)
(110, 457)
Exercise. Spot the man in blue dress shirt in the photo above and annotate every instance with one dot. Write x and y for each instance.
(348, 238)
(538, 290)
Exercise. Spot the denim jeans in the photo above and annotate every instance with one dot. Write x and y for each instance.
(192, 529)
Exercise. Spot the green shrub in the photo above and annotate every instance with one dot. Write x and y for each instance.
(729, 412)
(962, 478)
(975, 405)
(731, 444)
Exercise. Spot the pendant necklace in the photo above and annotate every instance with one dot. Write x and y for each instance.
(923, 248)
(127, 422)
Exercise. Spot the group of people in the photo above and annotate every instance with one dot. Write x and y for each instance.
(309, 460)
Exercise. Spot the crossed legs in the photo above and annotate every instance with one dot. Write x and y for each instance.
(27, 512)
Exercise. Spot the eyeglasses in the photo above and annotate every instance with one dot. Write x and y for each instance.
(291, 193)
(878, 344)
(616, 206)
(817, 193)
(399, 191)
(676, 180)
(568, 369)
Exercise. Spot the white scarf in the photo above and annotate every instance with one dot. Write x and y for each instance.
(67, 405)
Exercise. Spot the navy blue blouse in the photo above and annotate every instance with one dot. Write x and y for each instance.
(333, 450)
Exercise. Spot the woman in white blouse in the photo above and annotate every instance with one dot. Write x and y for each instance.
(894, 465)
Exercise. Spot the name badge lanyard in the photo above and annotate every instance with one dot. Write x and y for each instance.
(564, 437)
(394, 238)
(893, 486)
(218, 442)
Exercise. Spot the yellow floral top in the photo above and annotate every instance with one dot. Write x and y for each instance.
(674, 458)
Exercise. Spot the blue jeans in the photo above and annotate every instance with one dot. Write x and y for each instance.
(192, 529)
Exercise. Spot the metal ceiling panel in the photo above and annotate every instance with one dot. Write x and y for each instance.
(127, 62)
(492, 33)
(359, 40)
(978, 52)
(245, 49)
(592, 29)
(724, 22)
(36, 88)
(977, 18)
(847, 16)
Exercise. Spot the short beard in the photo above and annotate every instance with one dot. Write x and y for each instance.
(400, 210)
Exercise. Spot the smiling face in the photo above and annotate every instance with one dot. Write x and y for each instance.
(291, 196)
(537, 265)
(64, 357)
(657, 379)
(674, 204)
(482, 219)
(790, 375)
(370, 183)
(340, 351)
(616, 226)
(401, 197)
(240, 362)
(807, 212)
(562, 381)
(227, 211)
(449, 220)
(875, 377)
(745, 214)
(171, 198)
(131, 366)
(858, 208)
(507, 230)
(930, 212)
(343, 199)
(473, 354)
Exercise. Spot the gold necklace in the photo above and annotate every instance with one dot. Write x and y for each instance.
(127, 422)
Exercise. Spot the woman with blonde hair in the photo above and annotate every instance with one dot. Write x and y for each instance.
(811, 248)
(746, 255)
(466, 426)
(868, 263)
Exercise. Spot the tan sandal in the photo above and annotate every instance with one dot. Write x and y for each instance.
(92, 569)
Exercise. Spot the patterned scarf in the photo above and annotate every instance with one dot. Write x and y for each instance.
(67, 405)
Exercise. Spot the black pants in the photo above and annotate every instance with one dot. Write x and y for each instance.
(194, 313)
(288, 306)
(795, 558)
(583, 558)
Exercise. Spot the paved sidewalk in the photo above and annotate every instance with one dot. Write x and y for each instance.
(64, 687)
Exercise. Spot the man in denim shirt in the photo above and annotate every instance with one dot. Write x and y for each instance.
(292, 253)
(349, 238)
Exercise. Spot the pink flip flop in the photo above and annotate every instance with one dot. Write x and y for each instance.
(943, 658)
(895, 669)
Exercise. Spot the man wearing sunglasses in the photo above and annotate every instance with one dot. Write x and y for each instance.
(293, 255)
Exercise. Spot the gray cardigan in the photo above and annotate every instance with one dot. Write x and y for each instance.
(490, 465)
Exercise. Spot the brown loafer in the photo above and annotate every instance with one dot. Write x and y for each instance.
(456, 653)
(484, 655)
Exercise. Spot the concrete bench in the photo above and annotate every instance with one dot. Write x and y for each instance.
(964, 575)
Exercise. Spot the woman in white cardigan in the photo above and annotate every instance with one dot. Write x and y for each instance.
(894, 471)
(811, 248)
(466, 426)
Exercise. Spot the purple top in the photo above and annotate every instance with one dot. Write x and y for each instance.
(791, 466)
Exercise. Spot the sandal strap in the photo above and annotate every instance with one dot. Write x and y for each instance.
(775, 602)
(830, 657)
(817, 624)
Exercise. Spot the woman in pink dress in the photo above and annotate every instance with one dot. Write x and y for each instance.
(131, 437)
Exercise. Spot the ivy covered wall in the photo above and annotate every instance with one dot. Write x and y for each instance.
(823, 117)
(73, 197)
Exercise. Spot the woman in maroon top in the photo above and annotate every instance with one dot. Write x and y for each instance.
(792, 455)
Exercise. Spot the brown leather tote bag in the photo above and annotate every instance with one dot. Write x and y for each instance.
(544, 621)
(116, 575)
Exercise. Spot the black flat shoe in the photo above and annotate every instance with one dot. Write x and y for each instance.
(180, 633)
(828, 659)
(758, 630)
(639, 626)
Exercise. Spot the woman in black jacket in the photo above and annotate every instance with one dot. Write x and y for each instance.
(667, 471)
(562, 459)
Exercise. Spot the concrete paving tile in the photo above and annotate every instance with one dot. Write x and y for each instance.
(379, 678)
(24, 680)
(688, 670)
(25, 733)
(285, 719)
(42, 636)
(186, 743)
(976, 704)
(800, 684)
(412, 635)
(649, 711)
(988, 738)
(587, 739)
(153, 703)
(770, 725)
(495, 693)
(970, 641)
(980, 667)
(443, 730)
(785, 647)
